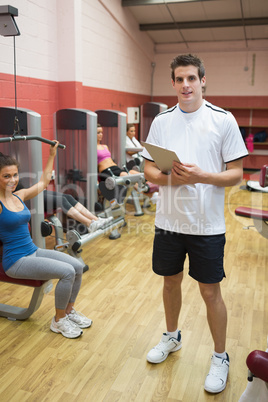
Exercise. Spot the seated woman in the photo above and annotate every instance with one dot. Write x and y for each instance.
(73, 209)
(106, 165)
(23, 259)
(133, 158)
(105, 161)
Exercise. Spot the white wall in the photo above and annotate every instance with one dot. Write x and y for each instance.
(69, 40)
(116, 55)
(36, 47)
(228, 73)
(98, 43)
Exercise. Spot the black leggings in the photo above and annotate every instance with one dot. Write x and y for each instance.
(54, 200)
(106, 172)
(51, 264)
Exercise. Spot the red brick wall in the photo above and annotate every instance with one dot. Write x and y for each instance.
(34, 94)
(46, 97)
(97, 98)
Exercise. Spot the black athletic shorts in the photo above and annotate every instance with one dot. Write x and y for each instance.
(106, 172)
(205, 255)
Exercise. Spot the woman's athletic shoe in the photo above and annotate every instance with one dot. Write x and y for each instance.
(66, 327)
(161, 351)
(79, 319)
(99, 224)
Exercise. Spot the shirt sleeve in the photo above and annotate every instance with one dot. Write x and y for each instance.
(152, 139)
(233, 146)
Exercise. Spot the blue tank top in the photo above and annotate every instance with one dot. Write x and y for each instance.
(15, 235)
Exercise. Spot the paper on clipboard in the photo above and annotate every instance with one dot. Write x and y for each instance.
(162, 157)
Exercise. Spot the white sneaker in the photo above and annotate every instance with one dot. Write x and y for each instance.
(65, 327)
(217, 376)
(161, 351)
(99, 224)
(154, 197)
(79, 319)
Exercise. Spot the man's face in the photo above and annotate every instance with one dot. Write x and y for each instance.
(188, 87)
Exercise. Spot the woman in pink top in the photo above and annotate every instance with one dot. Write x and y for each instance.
(106, 165)
(105, 162)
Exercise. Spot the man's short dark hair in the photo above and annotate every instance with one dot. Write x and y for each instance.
(187, 60)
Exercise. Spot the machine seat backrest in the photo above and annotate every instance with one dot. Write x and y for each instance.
(25, 282)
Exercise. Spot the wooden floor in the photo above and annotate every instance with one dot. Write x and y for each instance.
(124, 299)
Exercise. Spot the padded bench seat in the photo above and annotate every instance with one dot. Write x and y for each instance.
(26, 282)
(252, 213)
(21, 313)
(257, 362)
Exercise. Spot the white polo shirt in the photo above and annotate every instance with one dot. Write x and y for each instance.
(132, 144)
(209, 138)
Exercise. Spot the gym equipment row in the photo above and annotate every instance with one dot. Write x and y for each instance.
(77, 128)
(28, 154)
(26, 148)
(76, 165)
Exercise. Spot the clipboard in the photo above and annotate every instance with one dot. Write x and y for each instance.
(162, 157)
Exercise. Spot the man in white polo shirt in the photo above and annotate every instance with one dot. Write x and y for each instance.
(190, 210)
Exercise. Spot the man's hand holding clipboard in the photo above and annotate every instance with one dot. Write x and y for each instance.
(162, 157)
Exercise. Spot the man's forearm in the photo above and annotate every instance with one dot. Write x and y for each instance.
(154, 175)
(224, 179)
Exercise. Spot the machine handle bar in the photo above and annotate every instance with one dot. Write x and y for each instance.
(30, 137)
(112, 182)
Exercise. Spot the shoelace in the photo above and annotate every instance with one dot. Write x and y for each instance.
(216, 369)
(69, 324)
(77, 315)
(159, 346)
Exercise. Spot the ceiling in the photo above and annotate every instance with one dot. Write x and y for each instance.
(173, 22)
